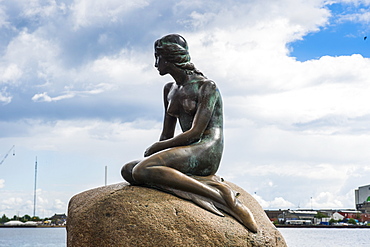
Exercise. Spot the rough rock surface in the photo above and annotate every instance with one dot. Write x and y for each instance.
(124, 215)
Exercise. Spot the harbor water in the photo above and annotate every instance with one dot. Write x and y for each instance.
(326, 237)
(295, 237)
(33, 237)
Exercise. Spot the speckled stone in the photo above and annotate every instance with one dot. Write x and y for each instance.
(124, 215)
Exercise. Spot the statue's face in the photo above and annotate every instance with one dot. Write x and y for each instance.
(161, 64)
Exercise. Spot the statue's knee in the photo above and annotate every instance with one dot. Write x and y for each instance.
(126, 171)
(138, 173)
(142, 173)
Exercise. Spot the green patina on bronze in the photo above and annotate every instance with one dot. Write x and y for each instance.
(186, 164)
(173, 49)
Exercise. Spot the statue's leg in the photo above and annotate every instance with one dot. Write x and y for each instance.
(155, 171)
(167, 170)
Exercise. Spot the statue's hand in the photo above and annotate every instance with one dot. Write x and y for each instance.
(152, 149)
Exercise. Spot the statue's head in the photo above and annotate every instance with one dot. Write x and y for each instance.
(174, 49)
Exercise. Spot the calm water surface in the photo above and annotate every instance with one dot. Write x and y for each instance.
(33, 237)
(295, 237)
(331, 237)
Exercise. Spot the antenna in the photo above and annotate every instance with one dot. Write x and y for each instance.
(34, 192)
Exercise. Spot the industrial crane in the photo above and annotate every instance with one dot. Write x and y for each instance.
(6, 155)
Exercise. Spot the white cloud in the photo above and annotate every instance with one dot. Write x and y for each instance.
(3, 17)
(2, 183)
(32, 61)
(88, 13)
(363, 16)
(301, 171)
(41, 9)
(5, 98)
(356, 11)
(355, 2)
(59, 205)
(44, 97)
(121, 68)
(254, 42)
(326, 200)
(21, 203)
(10, 73)
(90, 90)
(81, 136)
(9, 76)
(31, 50)
(329, 89)
(287, 122)
(277, 202)
(12, 200)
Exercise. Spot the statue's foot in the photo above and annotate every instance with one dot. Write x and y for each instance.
(245, 216)
(234, 207)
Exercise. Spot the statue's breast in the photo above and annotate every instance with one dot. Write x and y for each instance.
(189, 106)
(180, 102)
(173, 108)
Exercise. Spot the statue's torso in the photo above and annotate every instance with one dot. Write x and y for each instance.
(183, 102)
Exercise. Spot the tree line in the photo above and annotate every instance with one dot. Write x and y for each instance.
(24, 218)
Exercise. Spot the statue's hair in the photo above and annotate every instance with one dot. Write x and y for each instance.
(174, 49)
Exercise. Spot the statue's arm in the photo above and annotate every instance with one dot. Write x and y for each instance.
(207, 99)
(206, 102)
(169, 122)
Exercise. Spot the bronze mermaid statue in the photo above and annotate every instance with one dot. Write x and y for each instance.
(186, 164)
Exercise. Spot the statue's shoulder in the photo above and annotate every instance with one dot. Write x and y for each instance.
(208, 84)
(167, 87)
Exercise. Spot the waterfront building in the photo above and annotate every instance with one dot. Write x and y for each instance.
(59, 219)
(316, 217)
(304, 217)
(337, 216)
(357, 215)
(362, 198)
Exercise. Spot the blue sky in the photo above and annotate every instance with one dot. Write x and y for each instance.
(343, 36)
(78, 90)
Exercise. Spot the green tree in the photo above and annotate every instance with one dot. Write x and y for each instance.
(4, 219)
(35, 218)
(332, 221)
(320, 215)
(27, 217)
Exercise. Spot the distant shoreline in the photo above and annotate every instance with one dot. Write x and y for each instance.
(277, 226)
(2, 226)
(319, 226)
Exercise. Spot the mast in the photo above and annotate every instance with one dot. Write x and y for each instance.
(6, 155)
(34, 191)
(106, 168)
